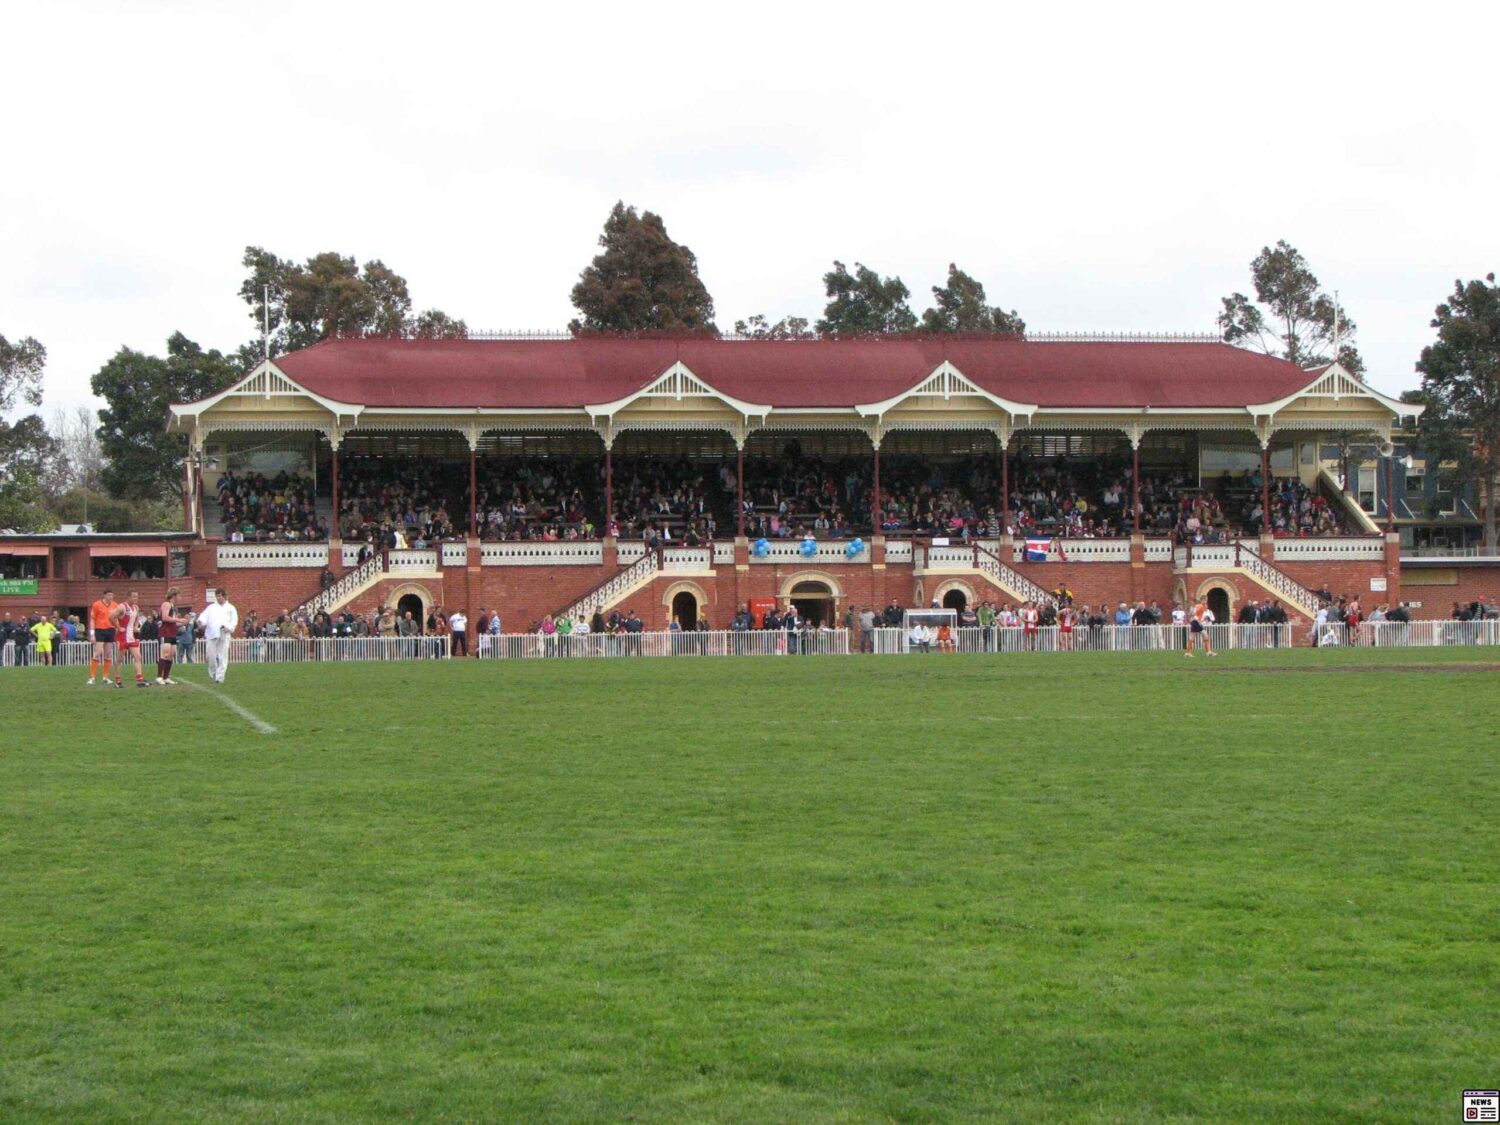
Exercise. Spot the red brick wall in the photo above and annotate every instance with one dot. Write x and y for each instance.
(1344, 578)
(1109, 583)
(523, 593)
(1473, 579)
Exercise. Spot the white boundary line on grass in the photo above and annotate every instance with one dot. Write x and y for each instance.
(259, 724)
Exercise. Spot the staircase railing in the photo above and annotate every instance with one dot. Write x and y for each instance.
(613, 589)
(345, 586)
(1008, 578)
(1350, 504)
(1279, 581)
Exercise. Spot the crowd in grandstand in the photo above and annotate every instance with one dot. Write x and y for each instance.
(400, 501)
(255, 508)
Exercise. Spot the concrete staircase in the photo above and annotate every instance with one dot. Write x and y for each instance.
(977, 562)
(1244, 560)
(346, 589)
(612, 591)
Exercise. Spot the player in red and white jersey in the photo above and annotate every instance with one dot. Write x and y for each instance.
(1065, 620)
(1030, 616)
(127, 619)
(169, 622)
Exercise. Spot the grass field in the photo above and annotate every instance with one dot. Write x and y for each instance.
(1094, 887)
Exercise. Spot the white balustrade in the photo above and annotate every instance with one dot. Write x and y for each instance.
(412, 561)
(455, 554)
(1095, 550)
(630, 552)
(723, 553)
(898, 551)
(789, 551)
(1158, 550)
(244, 555)
(1333, 548)
(680, 559)
(349, 553)
(584, 552)
(1215, 556)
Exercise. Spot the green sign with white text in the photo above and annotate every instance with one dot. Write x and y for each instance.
(17, 586)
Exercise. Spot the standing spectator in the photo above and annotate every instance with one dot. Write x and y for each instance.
(458, 625)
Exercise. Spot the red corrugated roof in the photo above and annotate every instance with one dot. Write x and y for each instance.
(539, 374)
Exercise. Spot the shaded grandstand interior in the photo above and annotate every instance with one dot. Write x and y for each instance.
(682, 486)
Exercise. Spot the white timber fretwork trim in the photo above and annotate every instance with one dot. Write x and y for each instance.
(1334, 384)
(266, 381)
(679, 384)
(947, 383)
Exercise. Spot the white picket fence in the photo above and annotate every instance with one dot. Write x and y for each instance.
(772, 642)
(824, 642)
(250, 650)
(1106, 638)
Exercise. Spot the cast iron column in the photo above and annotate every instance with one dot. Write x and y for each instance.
(336, 531)
(473, 493)
(875, 497)
(1135, 488)
(1005, 489)
(1390, 492)
(609, 494)
(739, 490)
(1265, 490)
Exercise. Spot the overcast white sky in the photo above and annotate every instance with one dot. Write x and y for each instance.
(1111, 167)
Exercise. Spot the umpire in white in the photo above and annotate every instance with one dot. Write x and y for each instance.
(218, 621)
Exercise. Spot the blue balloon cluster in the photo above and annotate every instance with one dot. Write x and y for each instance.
(760, 548)
(855, 547)
(809, 548)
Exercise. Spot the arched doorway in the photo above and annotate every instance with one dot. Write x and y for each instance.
(1218, 603)
(685, 609)
(815, 602)
(412, 603)
(956, 599)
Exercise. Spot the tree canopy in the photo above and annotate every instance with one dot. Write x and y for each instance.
(787, 328)
(864, 304)
(641, 281)
(1291, 316)
(1461, 388)
(330, 293)
(960, 306)
(26, 449)
(143, 462)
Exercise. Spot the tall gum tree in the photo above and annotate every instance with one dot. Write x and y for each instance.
(641, 281)
(1291, 316)
(1461, 387)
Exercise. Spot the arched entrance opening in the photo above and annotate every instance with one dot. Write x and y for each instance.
(956, 599)
(412, 603)
(1218, 602)
(685, 609)
(815, 603)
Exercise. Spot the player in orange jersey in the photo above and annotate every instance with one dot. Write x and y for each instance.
(102, 633)
(127, 619)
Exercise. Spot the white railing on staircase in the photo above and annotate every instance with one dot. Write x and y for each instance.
(1350, 503)
(1275, 580)
(633, 577)
(345, 587)
(1010, 579)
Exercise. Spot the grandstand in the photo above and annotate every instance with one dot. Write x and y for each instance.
(690, 477)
